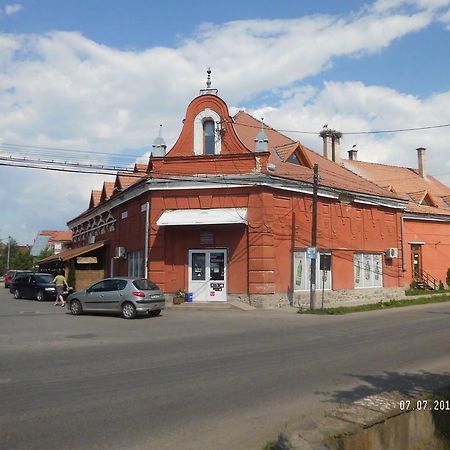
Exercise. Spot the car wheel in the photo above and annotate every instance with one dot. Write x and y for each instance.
(75, 307)
(40, 296)
(128, 310)
(154, 313)
(17, 294)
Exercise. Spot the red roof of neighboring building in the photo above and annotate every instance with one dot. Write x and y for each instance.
(407, 183)
(331, 174)
(65, 236)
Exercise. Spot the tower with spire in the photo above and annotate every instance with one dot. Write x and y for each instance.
(261, 140)
(159, 145)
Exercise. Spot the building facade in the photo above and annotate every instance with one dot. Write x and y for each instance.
(227, 213)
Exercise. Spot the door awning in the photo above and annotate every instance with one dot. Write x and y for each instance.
(214, 216)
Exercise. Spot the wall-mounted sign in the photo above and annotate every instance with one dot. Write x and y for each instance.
(206, 237)
(87, 260)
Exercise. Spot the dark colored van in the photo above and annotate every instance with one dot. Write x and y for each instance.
(34, 285)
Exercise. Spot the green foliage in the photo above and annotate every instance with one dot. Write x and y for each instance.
(44, 253)
(71, 279)
(379, 305)
(448, 277)
(22, 260)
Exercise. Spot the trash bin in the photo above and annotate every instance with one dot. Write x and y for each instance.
(189, 296)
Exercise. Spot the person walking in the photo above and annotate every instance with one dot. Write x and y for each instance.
(61, 283)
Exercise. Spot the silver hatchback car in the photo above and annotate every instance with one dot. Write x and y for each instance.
(128, 296)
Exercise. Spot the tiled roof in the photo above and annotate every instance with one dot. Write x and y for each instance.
(408, 183)
(331, 174)
(62, 236)
(95, 198)
(126, 180)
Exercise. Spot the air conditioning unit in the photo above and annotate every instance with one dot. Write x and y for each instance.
(392, 253)
(121, 252)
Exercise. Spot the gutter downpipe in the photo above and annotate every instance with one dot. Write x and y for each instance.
(147, 224)
(402, 243)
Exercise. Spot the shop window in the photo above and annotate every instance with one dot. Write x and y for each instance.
(368, 270)
(302, 272)
(136, 264)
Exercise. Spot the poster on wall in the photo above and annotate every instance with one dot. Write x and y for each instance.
(300, 271)
(358, 268)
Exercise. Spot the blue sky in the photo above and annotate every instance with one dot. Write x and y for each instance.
(100, 76)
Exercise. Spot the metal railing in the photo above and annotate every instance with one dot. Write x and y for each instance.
(426, 281)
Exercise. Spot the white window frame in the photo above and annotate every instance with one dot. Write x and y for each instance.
(366, 271)
(206, 114)
(301, 283)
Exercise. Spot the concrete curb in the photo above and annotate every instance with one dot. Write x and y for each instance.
(345, 422)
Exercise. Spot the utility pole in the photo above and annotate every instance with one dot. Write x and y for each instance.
(9, 253)
(312, 287)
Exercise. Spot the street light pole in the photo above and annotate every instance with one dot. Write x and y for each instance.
(312, 288)
(9, 253)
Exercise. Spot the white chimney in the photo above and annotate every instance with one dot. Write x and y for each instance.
(331, 144)
(421, 161)
(353, 154)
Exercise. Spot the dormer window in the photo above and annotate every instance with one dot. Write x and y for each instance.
(209, 137)
(206, 133)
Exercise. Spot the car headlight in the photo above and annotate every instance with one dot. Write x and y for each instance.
(49, 289)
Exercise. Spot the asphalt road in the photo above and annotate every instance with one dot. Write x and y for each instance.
(199, 380)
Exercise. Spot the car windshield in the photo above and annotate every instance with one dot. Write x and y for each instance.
(145, 285)
(44, 278)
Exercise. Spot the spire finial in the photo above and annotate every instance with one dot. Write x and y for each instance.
(208, 80)
(208, 90)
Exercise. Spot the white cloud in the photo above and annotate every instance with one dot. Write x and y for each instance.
(13, 9)
(353, 106)
(64, 90)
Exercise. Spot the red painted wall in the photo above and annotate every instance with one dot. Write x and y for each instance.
(435, 250)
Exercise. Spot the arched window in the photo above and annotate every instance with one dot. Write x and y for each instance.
(207, 133)
(209, 137)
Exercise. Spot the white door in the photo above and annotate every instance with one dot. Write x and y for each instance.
(208, 275)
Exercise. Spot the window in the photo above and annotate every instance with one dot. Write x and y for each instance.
(368, 270)
(124, 215)
(207, 132)
(302, 273)
(209, 137)
(135, 264)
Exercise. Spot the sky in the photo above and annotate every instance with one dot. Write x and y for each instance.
(91, 80)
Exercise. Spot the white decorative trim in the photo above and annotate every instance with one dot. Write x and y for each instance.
(198, 130)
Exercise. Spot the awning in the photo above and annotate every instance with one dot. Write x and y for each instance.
(214, 216)
(73, 252)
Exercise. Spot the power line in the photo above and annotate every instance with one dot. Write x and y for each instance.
(397, 130)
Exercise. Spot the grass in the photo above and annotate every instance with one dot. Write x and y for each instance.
(413, 291)
(377, 306)
(270, 446)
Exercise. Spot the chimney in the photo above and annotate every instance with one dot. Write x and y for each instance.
(421, 161)
(331, 144)
(353, 154)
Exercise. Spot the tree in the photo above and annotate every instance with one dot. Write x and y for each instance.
(22, 260)
(448, 277)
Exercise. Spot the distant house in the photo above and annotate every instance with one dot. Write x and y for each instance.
(226, 213)
(426, 220)
(54, 240)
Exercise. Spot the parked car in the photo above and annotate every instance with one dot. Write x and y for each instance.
(129, 296)
(8, 277)
(34, 285)
(11, 274)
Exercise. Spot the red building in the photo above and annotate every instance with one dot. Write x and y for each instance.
(226, 214)
(426, 220)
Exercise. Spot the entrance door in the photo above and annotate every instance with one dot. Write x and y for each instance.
(208, 275)
(416, 261)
